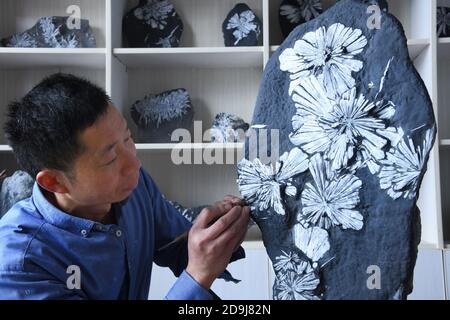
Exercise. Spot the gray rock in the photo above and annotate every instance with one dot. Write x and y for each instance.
(153, 24)
(14, 189)
(356, 127)
(241, 27)
(157, 116)
(228, 128)
(53, 32)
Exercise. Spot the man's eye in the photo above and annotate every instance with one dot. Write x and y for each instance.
(111, 162)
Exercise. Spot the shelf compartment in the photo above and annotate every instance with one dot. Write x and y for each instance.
(415, 47)
(414, 15)
(20, 15)
(213, 57)
(5, 148)
(24, 58)
(444, 154)
(202, 20)
(232, 90)
(444, 48)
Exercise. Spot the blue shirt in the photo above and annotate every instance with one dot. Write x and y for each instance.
(40, 246)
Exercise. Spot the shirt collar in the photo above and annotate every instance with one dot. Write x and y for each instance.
(59, 218)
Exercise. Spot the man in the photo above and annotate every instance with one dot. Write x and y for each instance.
(94, 212)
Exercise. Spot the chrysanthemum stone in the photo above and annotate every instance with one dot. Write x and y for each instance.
(356, 128)
(54, 32)
(153, 23)
(241, 27)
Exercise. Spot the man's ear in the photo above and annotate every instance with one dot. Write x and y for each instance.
(52, 181)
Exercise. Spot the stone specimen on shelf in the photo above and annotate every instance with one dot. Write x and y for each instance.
(443, 22)
(158, 116)
(293, 13)
(54, 32)
(228, 128)
(14, 189)
(382, 4)
(153, 24)
(356, 128)
(241, 27)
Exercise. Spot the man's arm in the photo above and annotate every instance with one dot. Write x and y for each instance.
(210, 244)
(21, 285)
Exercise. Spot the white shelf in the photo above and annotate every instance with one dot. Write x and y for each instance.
(426, 245)
(212, 57)
(187, 146)
(415, 47)
(171, 146)
(5, 148)
(23, 58)
(445, 143)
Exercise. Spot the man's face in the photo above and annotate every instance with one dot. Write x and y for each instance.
(108, 169)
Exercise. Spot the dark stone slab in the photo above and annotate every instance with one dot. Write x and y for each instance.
(356, 125)
(293, 13)
(153, 24)
(53, 32)
(241, 27)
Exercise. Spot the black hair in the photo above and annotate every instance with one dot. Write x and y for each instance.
(43, 128)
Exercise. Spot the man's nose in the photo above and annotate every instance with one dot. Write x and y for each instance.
(132, 163)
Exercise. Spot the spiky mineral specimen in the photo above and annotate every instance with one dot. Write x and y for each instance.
(157, 116)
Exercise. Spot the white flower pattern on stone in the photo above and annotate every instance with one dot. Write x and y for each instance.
(330, 200)
(287, 261)
(265, 187)
(155, 13)
(313, 242)
(327, 54)
(304, 11)
(53, 37)
(400, 172)
(297, 284)
(23, 40)
(337, 131)
(169, 41)
(244, 23)
(340, 128)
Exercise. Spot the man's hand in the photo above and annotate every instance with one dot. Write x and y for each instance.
(217, 233)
